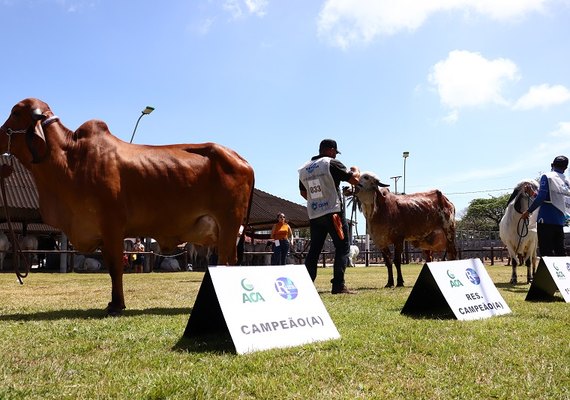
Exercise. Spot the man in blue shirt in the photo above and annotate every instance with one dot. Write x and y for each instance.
(554, 201)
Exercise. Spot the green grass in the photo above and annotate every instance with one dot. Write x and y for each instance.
(56, 343)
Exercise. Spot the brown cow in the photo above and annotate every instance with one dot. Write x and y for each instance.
(425, 219)
(99, 189)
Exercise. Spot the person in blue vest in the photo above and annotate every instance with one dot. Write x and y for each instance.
(553, 198)
(319, 184)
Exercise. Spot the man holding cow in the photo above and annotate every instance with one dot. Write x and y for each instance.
(319, 184)
(554, 201)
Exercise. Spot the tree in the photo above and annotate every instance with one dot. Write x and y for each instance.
(484, 214)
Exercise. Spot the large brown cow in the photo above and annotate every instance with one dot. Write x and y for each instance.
(425, 219)
(99, 189)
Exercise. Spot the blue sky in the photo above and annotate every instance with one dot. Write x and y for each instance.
(478, 92)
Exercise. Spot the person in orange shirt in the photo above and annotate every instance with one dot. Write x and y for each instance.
(283, 237)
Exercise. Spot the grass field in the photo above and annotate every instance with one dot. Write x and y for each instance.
(56, 343)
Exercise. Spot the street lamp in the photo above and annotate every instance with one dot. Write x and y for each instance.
(147, 110)
(396, 182)
(406, 154)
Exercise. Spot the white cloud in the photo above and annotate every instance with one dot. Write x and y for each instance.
(452, 117)
(255, 7)
(542, 96)
(563, 130)
(205, 26)
(466, 79)
(348, 22)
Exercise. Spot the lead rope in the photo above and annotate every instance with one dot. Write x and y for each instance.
(522, 229)
(5, 172)
(353, 214)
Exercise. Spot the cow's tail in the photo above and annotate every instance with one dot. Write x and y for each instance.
(241, 241)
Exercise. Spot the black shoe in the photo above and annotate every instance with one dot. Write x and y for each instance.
(342, 290)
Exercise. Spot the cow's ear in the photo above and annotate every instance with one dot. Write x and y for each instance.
(35, 138)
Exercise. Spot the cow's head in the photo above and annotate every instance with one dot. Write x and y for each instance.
(368, 182)
(23, 129)
(522, 195)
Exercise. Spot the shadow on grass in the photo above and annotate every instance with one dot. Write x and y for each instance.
(215, 344)
(91, 314)
(514, 288)
(368, 289)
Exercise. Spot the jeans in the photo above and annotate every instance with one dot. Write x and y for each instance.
(280, 253)
(320, 227)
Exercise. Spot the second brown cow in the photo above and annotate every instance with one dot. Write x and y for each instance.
(425, 219)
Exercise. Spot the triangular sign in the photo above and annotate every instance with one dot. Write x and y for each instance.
(460, 289)
(260, 307)
(552, 274)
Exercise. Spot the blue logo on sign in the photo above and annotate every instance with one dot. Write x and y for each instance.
(286, 288)
(471, 274)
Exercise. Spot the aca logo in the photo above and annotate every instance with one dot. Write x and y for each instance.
(472, 275)
(453, 281)
(314, 205)
(286, 288)
(249, 296)
(568, 266)
(559, 273)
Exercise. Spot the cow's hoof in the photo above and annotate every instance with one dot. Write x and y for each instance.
(400, 284)
(513, 281)
(114, 311)
(389, 285)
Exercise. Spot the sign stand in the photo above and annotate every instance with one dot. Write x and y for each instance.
(260, 308)
(552, 274)
(206, 317)
(460, 289)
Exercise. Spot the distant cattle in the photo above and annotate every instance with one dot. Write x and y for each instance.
(425, 219)
(352, 255)
(520, 236)
(29, 242)
(86, 264)
(170, 264)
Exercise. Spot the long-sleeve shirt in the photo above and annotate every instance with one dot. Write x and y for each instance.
(548, 213)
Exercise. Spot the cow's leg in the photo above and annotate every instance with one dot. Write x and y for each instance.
(388, 261)
(227, 245)
(428, 255)
(398, 262)
(113, 256)
(514, 273)
(450, 248)
(528, 275)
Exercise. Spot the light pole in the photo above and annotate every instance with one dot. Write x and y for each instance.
(396, 182)
(406, 154)
(147, 110)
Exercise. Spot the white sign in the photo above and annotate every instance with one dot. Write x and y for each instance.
(263, 307)
(461, 288)
(552, 274)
